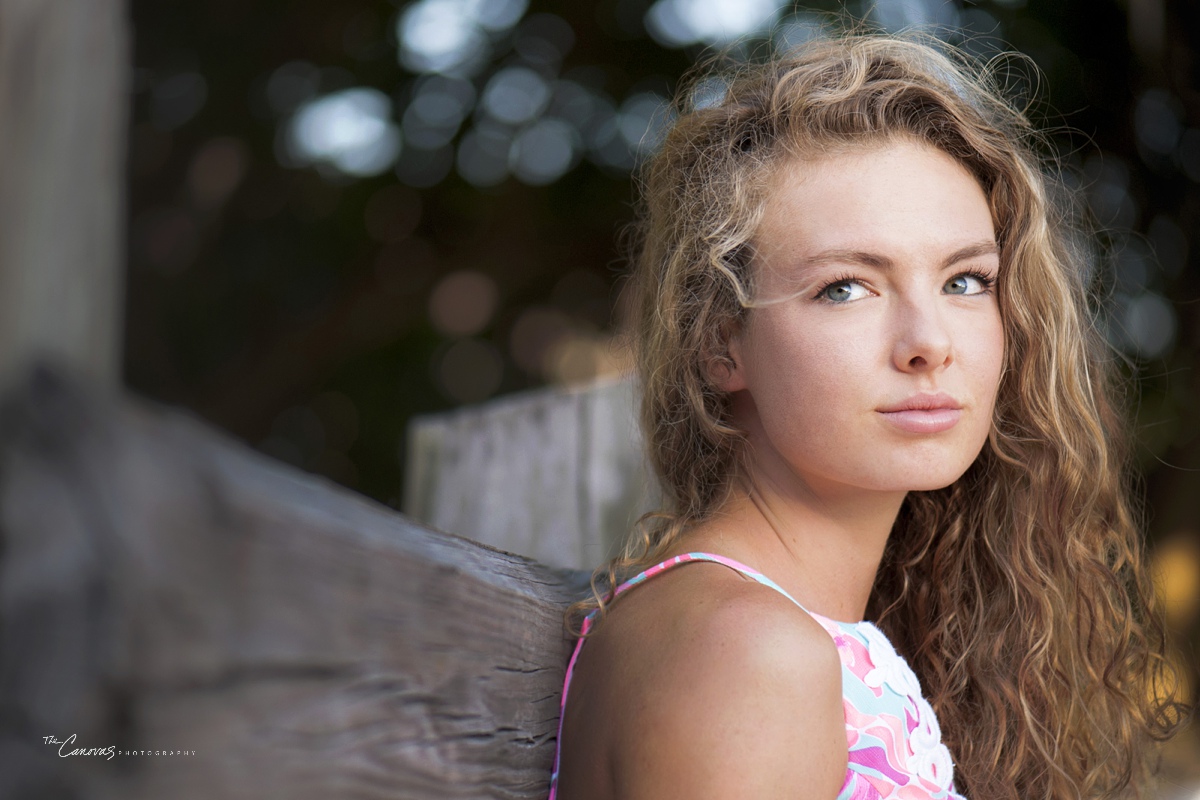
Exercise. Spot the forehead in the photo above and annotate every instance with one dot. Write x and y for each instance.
(903, 199)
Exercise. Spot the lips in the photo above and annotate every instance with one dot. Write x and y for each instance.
(924, 413)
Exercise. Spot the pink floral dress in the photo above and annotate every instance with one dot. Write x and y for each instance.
(894, 742)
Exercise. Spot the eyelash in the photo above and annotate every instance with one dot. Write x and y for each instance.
(985, 280)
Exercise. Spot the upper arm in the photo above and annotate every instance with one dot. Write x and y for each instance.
(748, 704)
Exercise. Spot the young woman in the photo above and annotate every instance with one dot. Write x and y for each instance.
(885, 430)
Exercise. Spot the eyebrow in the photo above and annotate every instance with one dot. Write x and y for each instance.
(984, 248)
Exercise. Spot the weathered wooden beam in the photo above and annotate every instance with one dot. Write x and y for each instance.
(64, 95)
(556, 474)
(165, 588)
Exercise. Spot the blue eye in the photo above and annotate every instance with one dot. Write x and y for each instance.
(842, 291)
(969, 283)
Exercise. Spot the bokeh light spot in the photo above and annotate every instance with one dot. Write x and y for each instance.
(897, 15)
(438, 107)
(1134, 266)
(534, 335)
(797, 31)
(462, 304)
(496, 15)
(1176, 568)
(437, 36)
(545, 151)
(1107, 179)
(1150, 324)
(644, 120)
(350, 130)
(452, 36)
(177, 99)
(515, 95)
(675, 23)
(1158, 121)
(708, 93)
(574, 103)
(217, 170)
(605, 144)
(584, 356)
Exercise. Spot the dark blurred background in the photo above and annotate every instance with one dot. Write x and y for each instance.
(344, 213)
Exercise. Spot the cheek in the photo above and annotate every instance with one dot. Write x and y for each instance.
(814, 368)
(988, 357)
(982, 359)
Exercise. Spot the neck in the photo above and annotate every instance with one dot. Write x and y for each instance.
(823, 546)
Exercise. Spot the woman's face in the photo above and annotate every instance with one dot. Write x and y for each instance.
(877, 365)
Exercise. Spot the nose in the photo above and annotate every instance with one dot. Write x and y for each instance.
(922, 342)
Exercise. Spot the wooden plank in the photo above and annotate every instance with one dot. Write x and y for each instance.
(64, 88)
(163, 587)
(555, 474)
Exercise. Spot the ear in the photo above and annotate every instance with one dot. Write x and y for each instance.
(727, 371)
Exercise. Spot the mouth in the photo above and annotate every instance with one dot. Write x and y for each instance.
(924, 413)
(932, 421)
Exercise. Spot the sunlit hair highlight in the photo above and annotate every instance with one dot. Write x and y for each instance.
(1019, 594)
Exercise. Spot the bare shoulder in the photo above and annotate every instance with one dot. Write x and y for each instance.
(739, 695)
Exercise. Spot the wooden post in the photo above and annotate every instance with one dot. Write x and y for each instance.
(554, 474)
(165, 589)
(64, 77)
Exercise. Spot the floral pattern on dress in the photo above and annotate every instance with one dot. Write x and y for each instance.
(894, 741)
(930, 758)
(889, 669)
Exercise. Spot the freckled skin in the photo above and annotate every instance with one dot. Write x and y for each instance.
(810, 374)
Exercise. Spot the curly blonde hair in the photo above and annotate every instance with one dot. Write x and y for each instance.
(1019, 594)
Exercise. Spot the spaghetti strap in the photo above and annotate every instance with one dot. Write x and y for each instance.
(716, 559)
(641, 577)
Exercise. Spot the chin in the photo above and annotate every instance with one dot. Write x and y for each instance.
(921, 480)
(933, 481)
(931, 485)
(935, 468)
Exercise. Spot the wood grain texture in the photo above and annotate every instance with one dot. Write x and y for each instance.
(556, 474)
(163, 587)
